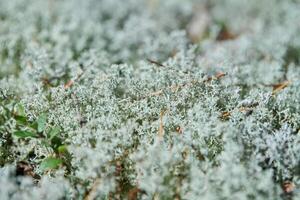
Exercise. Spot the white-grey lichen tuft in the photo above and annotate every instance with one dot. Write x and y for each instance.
(149, 99)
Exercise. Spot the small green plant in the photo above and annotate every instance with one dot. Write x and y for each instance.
(45, 133)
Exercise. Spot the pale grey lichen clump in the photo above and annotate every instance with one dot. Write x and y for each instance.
(150, 99)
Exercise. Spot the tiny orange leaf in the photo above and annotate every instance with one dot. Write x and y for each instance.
(225, 115)
(179, 130)
(225, 34)
(288, 187)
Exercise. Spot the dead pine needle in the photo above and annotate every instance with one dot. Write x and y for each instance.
(220, 75)
(155, 62)
(278, 87)
(217, 76)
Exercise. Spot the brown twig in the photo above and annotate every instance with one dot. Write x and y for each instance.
(161, 126)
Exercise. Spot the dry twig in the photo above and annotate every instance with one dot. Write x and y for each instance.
(161, 126)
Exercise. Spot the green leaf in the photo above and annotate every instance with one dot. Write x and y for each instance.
(21, 119)
(50, 163)
(34, 125)
(24, 134)
(53, 132)
(41, 122)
